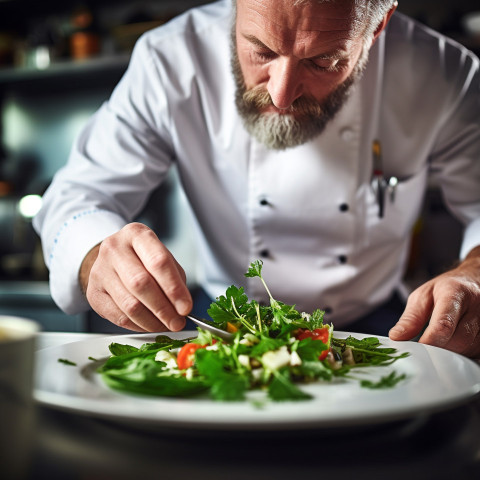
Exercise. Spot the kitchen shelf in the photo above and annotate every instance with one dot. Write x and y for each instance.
(65, 75)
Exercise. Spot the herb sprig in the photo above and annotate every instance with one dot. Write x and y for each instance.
(275, 348)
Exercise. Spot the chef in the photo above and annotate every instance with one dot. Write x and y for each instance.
(304, 133)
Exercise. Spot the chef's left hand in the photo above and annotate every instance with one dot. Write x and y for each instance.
(450, 303)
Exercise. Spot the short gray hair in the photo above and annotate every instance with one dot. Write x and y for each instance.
(370, 12)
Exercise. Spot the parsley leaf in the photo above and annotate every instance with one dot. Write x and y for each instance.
(282, 389)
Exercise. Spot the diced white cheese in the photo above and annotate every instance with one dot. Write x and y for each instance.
(257, 374)
(213, 347)
(295, 359)
(244, 360)
(167, 357)
(249, 340)
(276, 359)
(189, 373)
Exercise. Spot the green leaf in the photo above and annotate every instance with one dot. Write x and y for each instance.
(149, 351)
(316, 319)
(67, 362)
(282, 389)
(227, 307)
(388, 381)
(309, 349)
(224, 385)
(118, 349)
(255, 269)
(229, 388)
(266, 344)
(315, 370)
(163, 386)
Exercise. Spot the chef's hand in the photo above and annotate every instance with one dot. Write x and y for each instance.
(133, 280)
(451, 302)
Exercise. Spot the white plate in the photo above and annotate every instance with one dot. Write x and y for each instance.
(436, 379)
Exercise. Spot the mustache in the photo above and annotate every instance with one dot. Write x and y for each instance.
(258, 98)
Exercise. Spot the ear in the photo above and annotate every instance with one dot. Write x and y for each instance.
(384, 22)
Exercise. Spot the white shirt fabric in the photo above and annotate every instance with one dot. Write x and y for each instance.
(325, 243)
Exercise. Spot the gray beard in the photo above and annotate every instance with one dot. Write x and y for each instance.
(302, 122)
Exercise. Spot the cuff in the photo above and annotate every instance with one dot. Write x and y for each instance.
(74, 240)
(471, 238)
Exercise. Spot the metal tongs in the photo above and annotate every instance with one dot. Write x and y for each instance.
(206, 325)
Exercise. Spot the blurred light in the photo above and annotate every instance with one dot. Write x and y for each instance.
(30, 205)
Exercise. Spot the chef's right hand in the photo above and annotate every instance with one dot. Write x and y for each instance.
(134, 281)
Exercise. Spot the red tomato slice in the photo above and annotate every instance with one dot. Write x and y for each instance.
(186, 355)
(321, 334)
(324, 354)
(317, 334)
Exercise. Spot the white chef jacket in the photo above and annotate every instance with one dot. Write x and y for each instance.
(309, 212)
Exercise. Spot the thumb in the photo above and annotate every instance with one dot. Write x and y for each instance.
(416, 314)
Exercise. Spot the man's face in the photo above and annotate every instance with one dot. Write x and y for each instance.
(294, 66)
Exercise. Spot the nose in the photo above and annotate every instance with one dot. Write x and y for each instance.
(284, 84)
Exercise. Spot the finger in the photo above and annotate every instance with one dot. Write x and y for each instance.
(138, 295)
(110, 298)
(416, 314)
(466, 339)
(104, 306)
(166, 271)
(445, 317)
(133, 309)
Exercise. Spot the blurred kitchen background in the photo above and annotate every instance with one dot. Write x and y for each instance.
(59, 60)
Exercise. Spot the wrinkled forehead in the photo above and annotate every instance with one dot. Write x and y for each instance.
(345, 18)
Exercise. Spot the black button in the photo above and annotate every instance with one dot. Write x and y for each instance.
(328, 310)
(342, 258)
(264, 253)
(264, 202)
(344, 207)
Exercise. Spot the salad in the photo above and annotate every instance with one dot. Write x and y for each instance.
(275, 348)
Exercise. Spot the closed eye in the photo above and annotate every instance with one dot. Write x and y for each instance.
(265, 55)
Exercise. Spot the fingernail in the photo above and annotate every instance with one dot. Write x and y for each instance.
(396, 331)
(176, 324)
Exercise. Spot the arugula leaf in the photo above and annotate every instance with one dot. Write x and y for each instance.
(67, 362)
(118, 349)
(388, 381)
(161, 386)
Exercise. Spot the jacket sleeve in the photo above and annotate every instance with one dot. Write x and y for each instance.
(455, 160)
(122, 154)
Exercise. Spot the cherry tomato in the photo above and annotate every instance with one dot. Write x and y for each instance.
(321, 334)
(324, 354)
(186, 355)
(317, 334)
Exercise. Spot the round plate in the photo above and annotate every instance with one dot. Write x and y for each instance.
(436, 379)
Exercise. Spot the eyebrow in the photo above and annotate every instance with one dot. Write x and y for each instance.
(335, 55)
